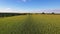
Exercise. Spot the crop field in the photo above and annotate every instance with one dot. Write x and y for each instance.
(30, 24)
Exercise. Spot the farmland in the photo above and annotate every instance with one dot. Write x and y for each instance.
(30, 24)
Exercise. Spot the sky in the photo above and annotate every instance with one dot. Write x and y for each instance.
(30, 6)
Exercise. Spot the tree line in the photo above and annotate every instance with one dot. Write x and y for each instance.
(15, 14)
(10, 14)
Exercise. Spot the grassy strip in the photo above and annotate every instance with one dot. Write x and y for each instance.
(47, 24)
(11, 25)
(30, 24)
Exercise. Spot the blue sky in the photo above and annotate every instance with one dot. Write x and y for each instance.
(28, 5)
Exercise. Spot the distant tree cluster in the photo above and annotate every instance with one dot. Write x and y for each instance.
(14, 14)
(52, 12)
(43, 13)
(10, 14)
(48, 13)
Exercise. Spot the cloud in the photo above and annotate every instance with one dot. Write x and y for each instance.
(10, 10)
(7, 10)
(24, 0)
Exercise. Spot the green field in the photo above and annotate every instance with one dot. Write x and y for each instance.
(30, 24)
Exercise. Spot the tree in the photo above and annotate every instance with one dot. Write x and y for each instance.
(43, 13)
(52, 12)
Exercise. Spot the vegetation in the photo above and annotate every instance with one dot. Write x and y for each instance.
(11, 14)
(30, 24)
(52, 12)
(43, 13)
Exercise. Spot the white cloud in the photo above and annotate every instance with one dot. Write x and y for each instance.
(24, 0)
(7, 10)
(10, 10)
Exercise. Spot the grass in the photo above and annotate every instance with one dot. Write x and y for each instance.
(48, 24)
(30, 24)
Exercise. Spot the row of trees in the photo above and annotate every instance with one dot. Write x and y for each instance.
(14, 14)
(10, 14)
(49, 13)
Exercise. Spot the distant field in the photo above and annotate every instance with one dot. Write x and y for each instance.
(30, 24)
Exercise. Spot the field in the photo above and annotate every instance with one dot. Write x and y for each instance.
(30, 24)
